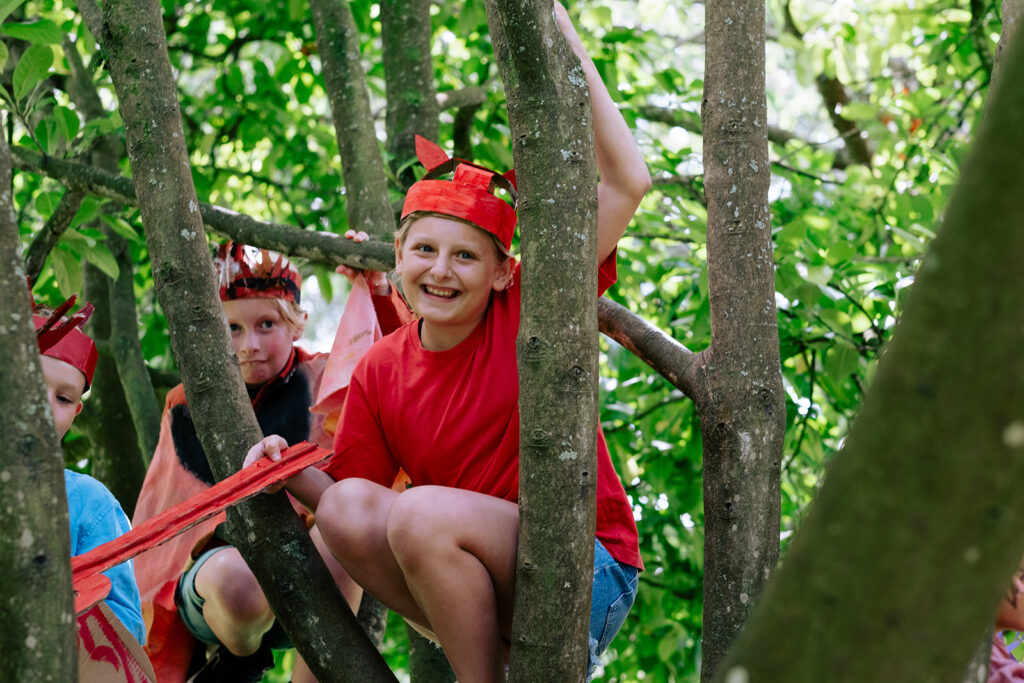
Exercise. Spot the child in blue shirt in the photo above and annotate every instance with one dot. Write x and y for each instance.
(94, 514)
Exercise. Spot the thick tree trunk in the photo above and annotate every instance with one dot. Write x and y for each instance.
(742, 412)
(366, 191)
(909, 546)
(409, 74)
(37, 637)
(267, 532)
(1013, 15)
(552, 133)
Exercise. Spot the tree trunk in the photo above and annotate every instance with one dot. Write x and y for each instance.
(366, 191)
(742, 411)
(553, 138)
(37, 637)
(909, 546)
(298, 586)
(409, 75)
(122, 386)
(106, 418)
(427, 663)
(1013, 15)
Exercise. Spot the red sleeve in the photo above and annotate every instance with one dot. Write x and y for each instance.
(607, 272)
(360, 449)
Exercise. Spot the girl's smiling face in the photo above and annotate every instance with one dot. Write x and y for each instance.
(262, 339)
(449, 269)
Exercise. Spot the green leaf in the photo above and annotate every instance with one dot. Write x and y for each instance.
(67, 270)
(67, 122)
(42, 31)
(48, 135)
(32, 68)
(842, 360)
(101, 257)
(4, 54)
(7, 7)
(122, 228)
(46, 202)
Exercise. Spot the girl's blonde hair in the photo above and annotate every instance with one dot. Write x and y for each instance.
(403, 231)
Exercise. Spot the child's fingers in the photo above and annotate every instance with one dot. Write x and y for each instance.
(269, 447)
(348, 271)
(360, 236)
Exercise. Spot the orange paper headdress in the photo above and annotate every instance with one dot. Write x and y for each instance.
(468, 196)
(250, 273)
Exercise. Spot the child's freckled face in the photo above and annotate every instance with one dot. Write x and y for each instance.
(65, 385)
(449, 269)
(262, 340)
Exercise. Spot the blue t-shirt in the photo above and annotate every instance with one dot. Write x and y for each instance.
(96, 517)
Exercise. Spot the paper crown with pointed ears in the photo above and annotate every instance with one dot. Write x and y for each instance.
(468, 196)
(250, 273)
(60, 338)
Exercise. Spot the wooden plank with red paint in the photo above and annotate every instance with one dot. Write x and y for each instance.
(171, 522)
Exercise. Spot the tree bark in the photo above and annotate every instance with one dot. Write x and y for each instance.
(106, 418)
(1013, 15)
(409, 75)
(366, 191)
(130, 390)
(427, 663)
(552, 134)
(270, 536)
(742, 411)
(909, 546)
(37, 613)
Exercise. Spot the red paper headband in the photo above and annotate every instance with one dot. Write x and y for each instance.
(468, 196)
(58, 338)
(250, 273)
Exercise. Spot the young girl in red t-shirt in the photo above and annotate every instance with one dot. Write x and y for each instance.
(439, 399)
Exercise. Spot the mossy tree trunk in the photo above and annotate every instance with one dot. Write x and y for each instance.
(366, 192)
(272, 539)
(409, 76)
(909, 546)
(37, 615)
(741, 403)
(553, 147)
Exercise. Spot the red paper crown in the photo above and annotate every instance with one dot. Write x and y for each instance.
(250, 273)
(58, 337)
(468, 196)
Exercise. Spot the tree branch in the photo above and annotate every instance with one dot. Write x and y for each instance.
(669, 358)
(49, 234)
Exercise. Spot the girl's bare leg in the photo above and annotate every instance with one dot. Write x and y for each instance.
(441, 557)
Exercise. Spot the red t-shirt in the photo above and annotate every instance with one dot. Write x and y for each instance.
(451, 418)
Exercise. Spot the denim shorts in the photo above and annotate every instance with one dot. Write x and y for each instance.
(190, 607)
(610, 600)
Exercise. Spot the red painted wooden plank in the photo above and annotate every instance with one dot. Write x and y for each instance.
(171, 522)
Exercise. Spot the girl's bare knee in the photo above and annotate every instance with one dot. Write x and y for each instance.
(350, 515)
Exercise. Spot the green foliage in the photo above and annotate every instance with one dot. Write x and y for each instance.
(847, 237)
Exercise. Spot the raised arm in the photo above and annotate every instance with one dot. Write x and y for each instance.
(623, 175)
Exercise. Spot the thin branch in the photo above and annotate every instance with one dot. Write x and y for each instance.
(48, 236)
(669, 358)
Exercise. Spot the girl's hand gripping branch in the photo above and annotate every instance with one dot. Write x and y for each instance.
(269, 447)
(307, 486)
